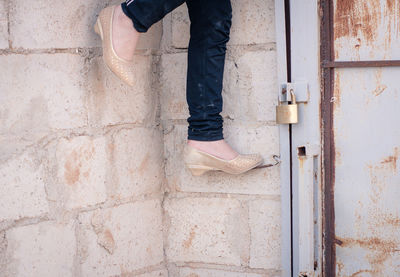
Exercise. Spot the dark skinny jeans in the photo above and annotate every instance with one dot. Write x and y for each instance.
(210, 23)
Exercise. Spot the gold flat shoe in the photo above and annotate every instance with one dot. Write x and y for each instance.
(199, 162)
(120, 67)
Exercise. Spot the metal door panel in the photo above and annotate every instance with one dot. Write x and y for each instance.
(366, 30)
(366, 131)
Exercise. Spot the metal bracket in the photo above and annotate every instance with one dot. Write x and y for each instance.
(299, 88)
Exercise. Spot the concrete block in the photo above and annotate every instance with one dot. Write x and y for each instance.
(41, 92)
(173, 86)
(249, 86)
(22, 190)
(3, 25)
(138, 162)
(253, 22)
(82, 167)
(119, 240)
(180, 26)
(64, 25)
(200, 272)
(152, 38)
(43, 249)
(113, 102)
(207, 230)
(244, 138)
(265, 226)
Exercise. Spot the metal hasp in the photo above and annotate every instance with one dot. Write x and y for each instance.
(287, 114)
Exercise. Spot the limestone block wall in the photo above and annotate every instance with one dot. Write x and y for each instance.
(216, 224)
(91, 175)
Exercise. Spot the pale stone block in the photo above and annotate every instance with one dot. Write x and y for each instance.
(180, 26)
(137, 162)
(199, 272)
(245, 138)
(41, 91)
(152, 38)
(82, 166)
(3, 25)
(22, 190)
(119, 240)
(173, 86)
(250, 88)
(208, 230)
(265, 226)
(253, 22)
(113, 102)
(44, 249)
(249, 93)
(64, 24)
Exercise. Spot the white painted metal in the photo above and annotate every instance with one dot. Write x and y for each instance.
(305, 67)
(309, 177)
(283, 142)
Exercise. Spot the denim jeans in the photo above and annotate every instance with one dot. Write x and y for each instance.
(210, 23)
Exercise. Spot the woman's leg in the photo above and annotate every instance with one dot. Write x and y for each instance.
(209, 33)
(133, 17)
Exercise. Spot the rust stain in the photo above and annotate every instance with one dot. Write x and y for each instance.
(336, 91)
(379, 86)
(187, 243)
(144, 164)
(373, 243)
(354, 18)
(361, 271)
(392, 159)
(72, 169)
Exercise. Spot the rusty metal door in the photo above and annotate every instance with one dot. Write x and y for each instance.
(360, 53)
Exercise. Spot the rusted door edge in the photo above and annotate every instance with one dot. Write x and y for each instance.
(345, 64)
(328, 149)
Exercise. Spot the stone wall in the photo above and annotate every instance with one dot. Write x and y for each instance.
(91, 175)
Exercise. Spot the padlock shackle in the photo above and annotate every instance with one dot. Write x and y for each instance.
(293, 97)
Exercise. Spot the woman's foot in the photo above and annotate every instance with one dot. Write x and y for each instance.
(218, 148)
(124, 35)
(119, 39)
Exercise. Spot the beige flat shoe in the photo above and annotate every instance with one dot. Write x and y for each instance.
(199, 162)
(120, 67)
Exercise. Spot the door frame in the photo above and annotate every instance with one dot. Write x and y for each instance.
(298, 49)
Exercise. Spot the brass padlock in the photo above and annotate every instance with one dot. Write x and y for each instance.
(287, 114)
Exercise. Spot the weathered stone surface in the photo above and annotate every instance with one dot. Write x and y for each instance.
(250, 88)
(265, 226)
(173, 86)
(249, 93)
(22, 190)
(3, 25)
(64, 25)
(119, 240)
(180, 27)
(43, 249)
(41, 91)
(245, 138)
(253, 22)
(138, 163)
(209, 230)
(113, 102)
(199, 272)
(82, 167)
